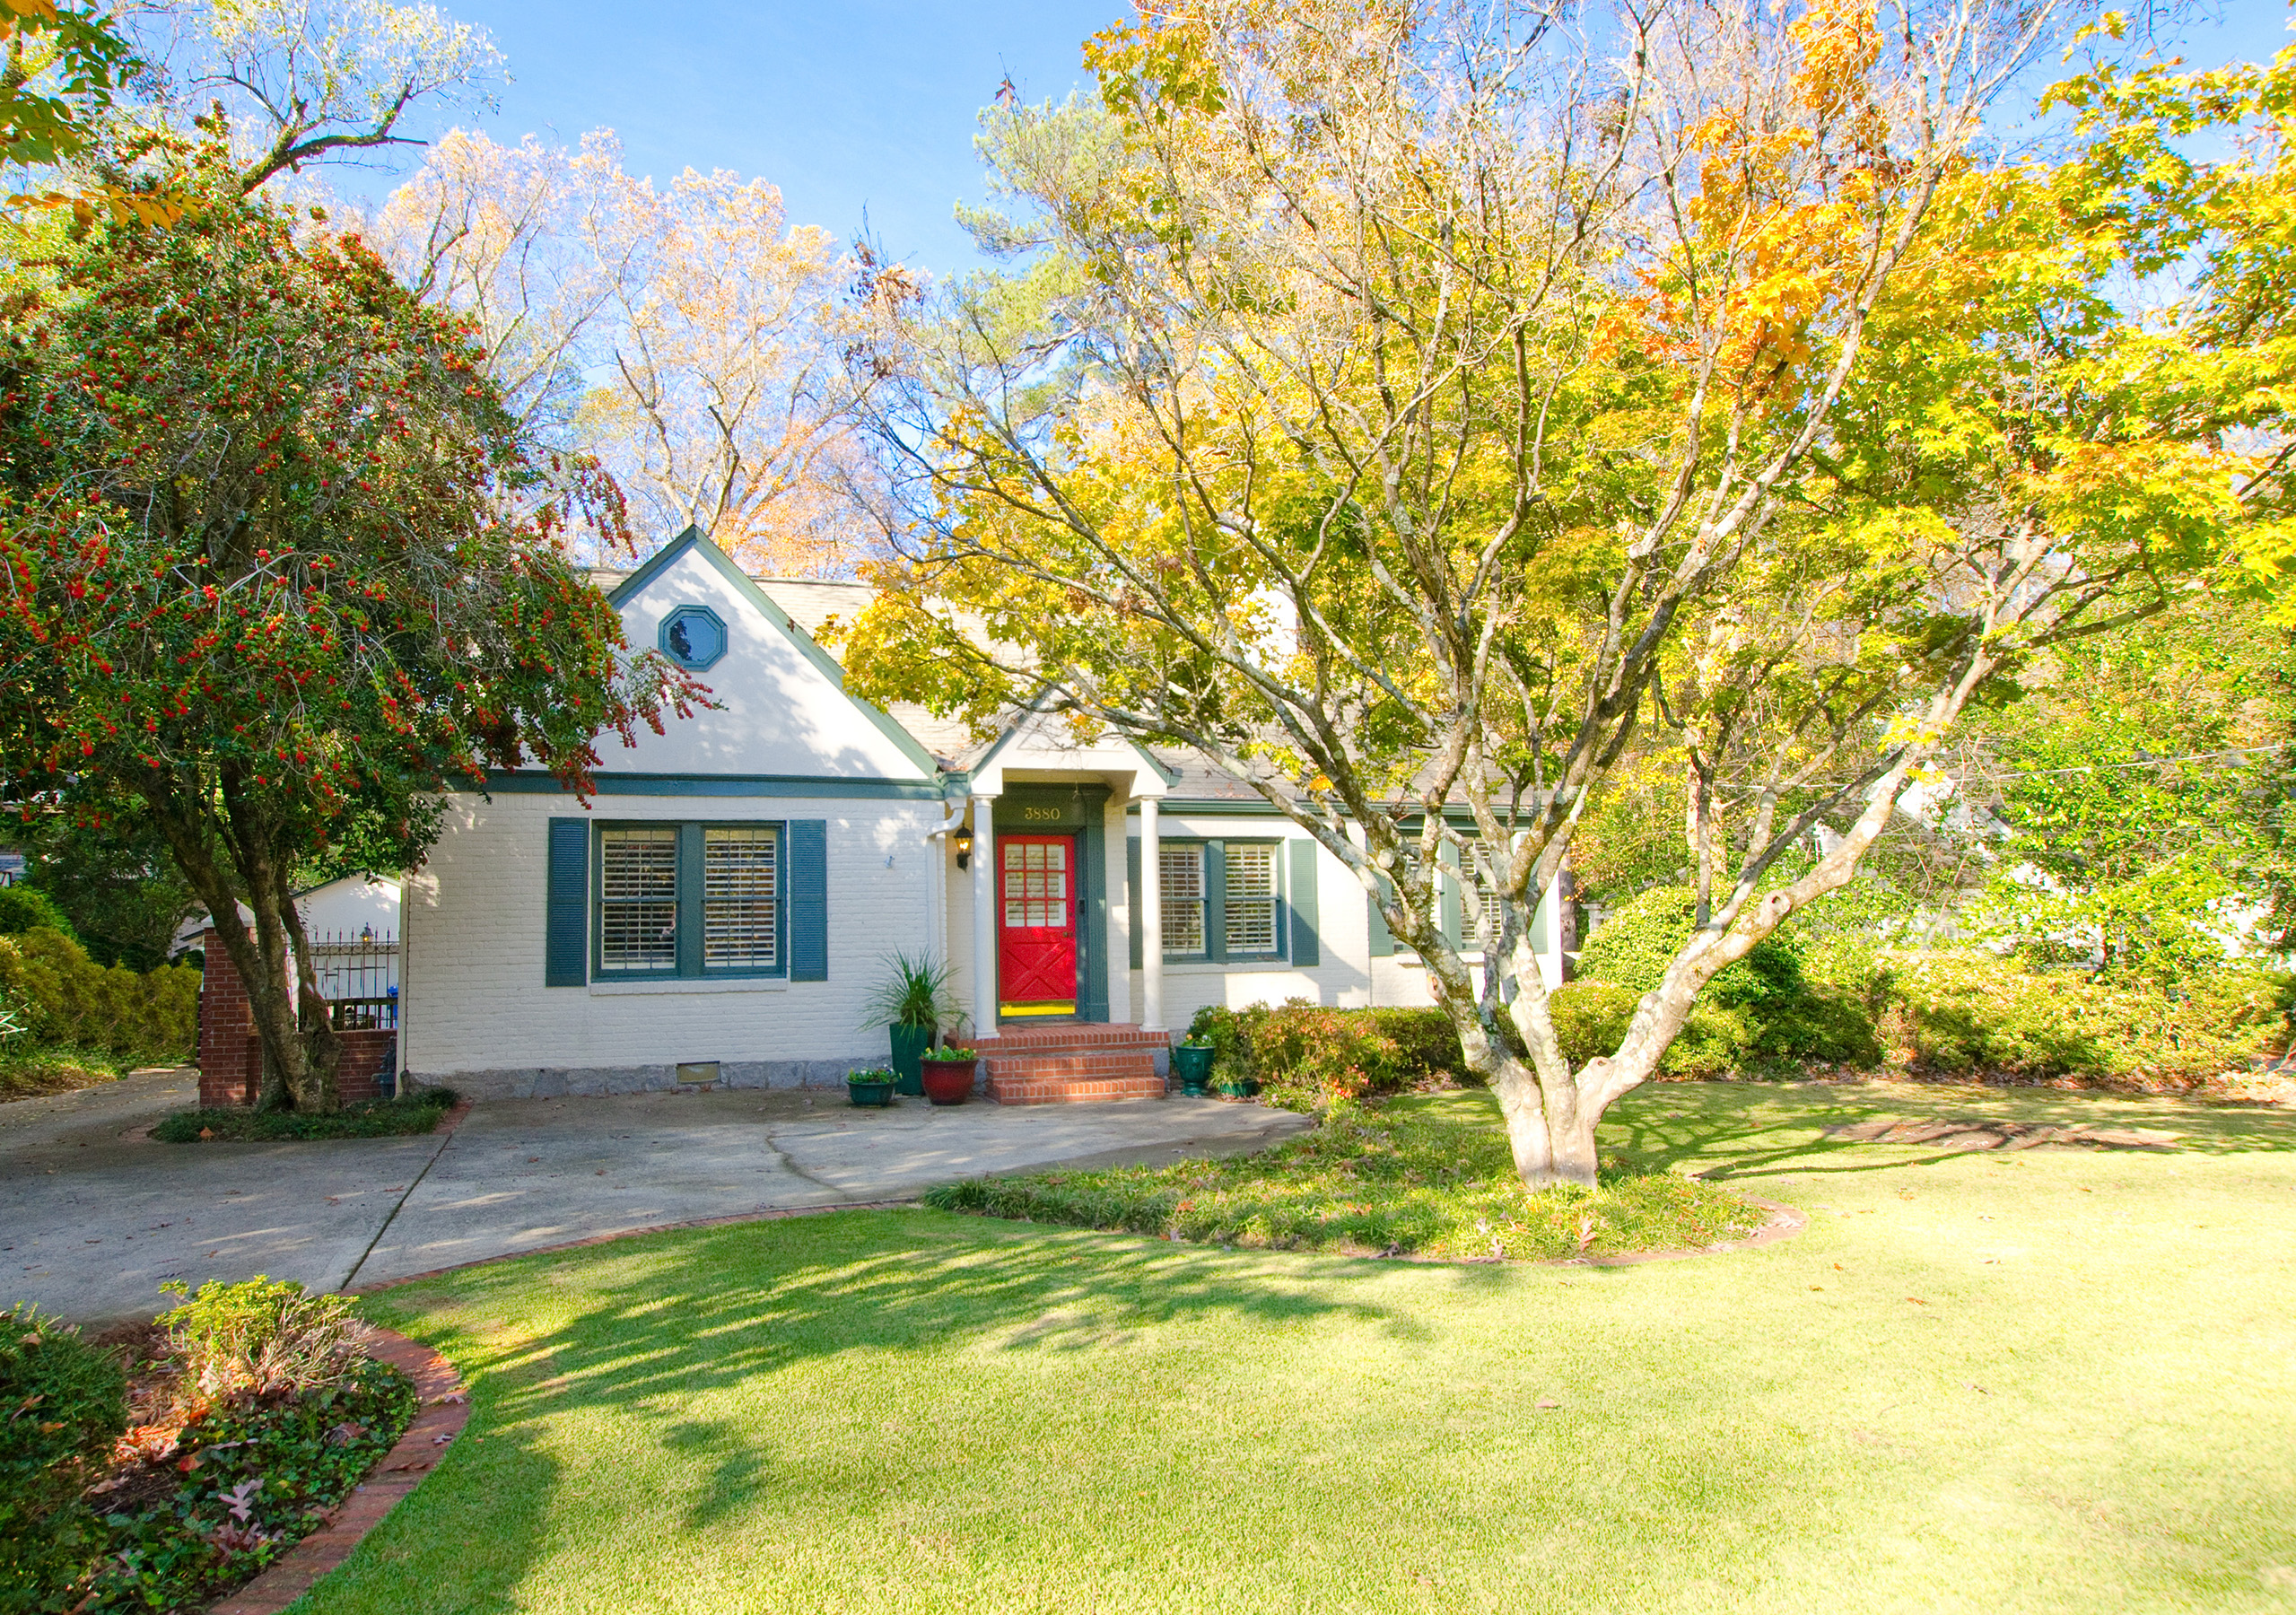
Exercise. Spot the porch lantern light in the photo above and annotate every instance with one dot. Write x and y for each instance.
(963, 841)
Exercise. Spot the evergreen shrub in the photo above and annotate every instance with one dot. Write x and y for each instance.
(65, 998)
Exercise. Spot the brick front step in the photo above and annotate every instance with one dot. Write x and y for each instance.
(1073, 1090)
(1129, 1063)
(1062, 1039)
(1072, 1064)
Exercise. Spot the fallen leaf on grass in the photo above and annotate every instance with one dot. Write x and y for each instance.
(1917, 1300)
(1547, 1402)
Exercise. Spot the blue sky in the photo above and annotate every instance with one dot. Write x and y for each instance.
(854, 105)
(846, 105)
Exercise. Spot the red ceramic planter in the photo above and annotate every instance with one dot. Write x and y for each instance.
(947, 1081)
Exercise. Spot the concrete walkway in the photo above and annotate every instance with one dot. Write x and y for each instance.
(94, 1218)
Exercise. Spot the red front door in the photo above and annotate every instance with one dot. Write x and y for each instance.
(1036, 925)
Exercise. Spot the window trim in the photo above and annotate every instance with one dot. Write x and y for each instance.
(1213, 851)
(691, 880)
(692, 612)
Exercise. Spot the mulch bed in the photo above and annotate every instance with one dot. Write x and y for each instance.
(157, 1500)
(445, 1409)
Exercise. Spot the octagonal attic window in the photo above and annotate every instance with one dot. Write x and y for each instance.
(693, 637)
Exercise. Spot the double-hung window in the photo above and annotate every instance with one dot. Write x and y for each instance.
(690, 900)
(1223, 900)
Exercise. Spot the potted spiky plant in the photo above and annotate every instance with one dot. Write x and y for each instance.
(912, 1000)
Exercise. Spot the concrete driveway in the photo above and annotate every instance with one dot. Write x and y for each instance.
(94, 1218)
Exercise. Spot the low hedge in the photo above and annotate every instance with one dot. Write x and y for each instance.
(1950, 1012)
(1305, 1054)
(1969, 1011)
(417, 1112)
(64, 997)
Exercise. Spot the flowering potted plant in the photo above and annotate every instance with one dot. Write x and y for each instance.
(947, 1075)
(872, 1086)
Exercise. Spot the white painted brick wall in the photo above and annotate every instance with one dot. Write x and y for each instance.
(473, 922)
(1347, 977)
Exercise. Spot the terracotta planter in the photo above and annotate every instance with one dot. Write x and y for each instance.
(947, 1081)
(908, 1046)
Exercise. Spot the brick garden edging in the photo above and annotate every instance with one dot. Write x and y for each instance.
(443, 1410)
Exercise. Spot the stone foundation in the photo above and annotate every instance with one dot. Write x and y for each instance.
(529, 1082)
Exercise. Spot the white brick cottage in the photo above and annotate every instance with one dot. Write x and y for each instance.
(720, 908)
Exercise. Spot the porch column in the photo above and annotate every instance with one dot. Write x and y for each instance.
(1150, 920)
(984, 916)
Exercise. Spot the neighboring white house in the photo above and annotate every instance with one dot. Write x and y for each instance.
(728, 897)
(351, 924)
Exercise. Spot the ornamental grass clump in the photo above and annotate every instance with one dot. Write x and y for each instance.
(262, 1338)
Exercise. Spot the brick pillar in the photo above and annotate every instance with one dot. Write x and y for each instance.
(231, 1055)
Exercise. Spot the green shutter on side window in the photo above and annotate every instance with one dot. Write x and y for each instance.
(1216, 902)
(566, 906)
(1447, 909)
(1132, 894)
(809, 868)
(1306, 948)
(1382, 941)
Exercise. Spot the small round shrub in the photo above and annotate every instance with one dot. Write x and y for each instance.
(1591, 1017)
(63, 1402)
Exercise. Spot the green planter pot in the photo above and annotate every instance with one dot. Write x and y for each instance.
(1193, 1067)
(1242, 1088)
(908, 1046)
(870, 1093)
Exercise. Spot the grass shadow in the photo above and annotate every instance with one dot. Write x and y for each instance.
(1740, 1131)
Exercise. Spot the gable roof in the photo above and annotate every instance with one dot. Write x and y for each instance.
(694, 541)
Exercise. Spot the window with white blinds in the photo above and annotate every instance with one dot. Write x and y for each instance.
(1222, 899)
(693, 900)
(637, 899)
(1251, 906)
(1179, 871)
(740, 875)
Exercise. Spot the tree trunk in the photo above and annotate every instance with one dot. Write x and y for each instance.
(291, 1025)
(1551, 1135)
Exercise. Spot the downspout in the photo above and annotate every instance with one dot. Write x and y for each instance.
(936, 874)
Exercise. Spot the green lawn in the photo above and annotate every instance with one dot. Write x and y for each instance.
(1422, 1175)
(2092, 1405)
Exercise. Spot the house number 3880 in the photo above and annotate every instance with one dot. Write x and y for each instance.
(1040, 814)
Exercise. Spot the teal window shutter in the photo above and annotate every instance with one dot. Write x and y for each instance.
(808, 900)
(1447, 909)
(1306, 949)
(1215, 900)
(1382, 941)
(689, 900)
(565, 945)
(1133, 893)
